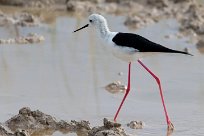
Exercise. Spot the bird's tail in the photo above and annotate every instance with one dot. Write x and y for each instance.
(182, 52)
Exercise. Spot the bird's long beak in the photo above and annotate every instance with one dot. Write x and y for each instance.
(81, 28)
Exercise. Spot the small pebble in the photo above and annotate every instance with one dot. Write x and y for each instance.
(120, 73)
(116, 87)
(136, 124)
(167, 36)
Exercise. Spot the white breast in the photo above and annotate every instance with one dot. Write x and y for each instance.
(123, 53)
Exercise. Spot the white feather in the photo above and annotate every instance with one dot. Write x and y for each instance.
(121, 52)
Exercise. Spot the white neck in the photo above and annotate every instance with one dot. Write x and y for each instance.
(103, 30)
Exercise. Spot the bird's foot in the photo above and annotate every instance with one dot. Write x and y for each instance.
(170, 128)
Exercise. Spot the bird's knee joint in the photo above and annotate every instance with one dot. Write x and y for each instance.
(157, 79)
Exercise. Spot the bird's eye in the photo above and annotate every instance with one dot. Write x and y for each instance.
(90, 21)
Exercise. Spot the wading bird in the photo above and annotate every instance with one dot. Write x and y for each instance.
(130, 47)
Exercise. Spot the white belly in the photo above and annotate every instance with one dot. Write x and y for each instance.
(129, 54)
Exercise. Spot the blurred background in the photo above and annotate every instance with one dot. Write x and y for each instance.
(43, 65)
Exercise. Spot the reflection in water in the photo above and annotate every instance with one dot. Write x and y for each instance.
(169, 132)
(64, 77)
(49, 132)
(43, 133)
(5, 71)
(92, 50)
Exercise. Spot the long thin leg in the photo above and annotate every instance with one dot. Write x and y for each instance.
(126, 93)
(170, 125)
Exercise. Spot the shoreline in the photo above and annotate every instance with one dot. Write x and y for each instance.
(138, 14)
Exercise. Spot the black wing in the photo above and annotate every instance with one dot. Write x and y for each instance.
(140, 43)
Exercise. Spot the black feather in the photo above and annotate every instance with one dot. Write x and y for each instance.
(141, 44)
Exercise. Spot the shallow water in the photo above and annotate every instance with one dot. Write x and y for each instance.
(65, 77)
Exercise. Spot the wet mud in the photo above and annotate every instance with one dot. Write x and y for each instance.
(31, 123)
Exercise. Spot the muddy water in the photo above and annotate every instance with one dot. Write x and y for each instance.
(65, 77)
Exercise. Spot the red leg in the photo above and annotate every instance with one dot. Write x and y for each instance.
(170, 125)
(127, 91)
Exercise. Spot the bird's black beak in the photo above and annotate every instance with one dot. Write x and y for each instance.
(81, 28)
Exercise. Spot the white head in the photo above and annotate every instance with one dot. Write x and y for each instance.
(99, 22)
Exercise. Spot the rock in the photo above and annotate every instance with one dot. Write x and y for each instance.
(5, 131)
(25, 111)
(116, 87)
(139, 21)
(29, 122)
(120, 73)
(200, 45)
(158, 3)
(20, 19)
(111, 1)
(109, 129)
(12, 2)
(74, 126)
(34, 38)
(80, 6)
(26, 19)
(108, 124)
(21, 133)
(136, 124)
(193, 18)
(93, 1)
(180, 1)
(28, 3)
(167, 36)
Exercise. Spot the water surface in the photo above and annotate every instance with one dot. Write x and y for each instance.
(65, 77)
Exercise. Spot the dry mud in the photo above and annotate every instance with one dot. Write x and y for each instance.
(28, 123)
(139, 13)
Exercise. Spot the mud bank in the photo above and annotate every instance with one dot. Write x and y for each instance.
(138, 13)
(28, 123)
(19, 19)
(28, 39)
(28, 3)
(141, 13)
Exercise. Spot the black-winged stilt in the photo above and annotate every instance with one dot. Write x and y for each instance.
(129, 47)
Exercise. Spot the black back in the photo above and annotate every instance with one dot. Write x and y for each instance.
(140, 43)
